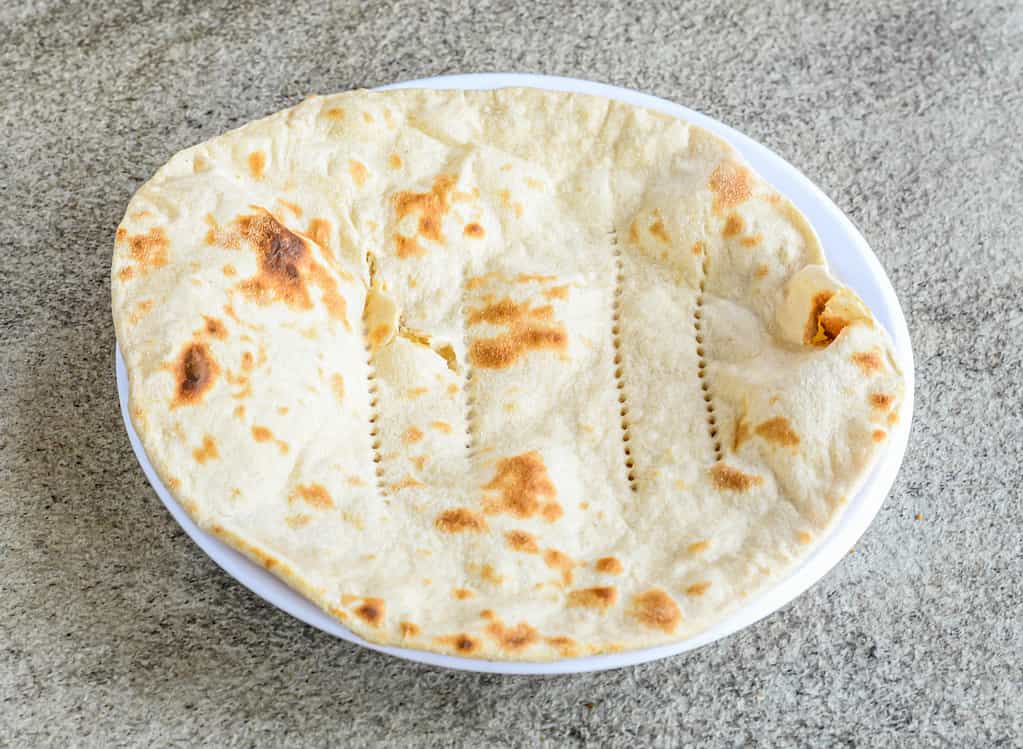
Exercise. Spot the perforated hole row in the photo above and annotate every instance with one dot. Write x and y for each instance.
(619, 372)
(470, 398)
(702, 364)
(374, 412)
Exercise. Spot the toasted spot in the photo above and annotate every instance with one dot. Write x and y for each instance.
(513, 639)
(126, 273)
(557, 292)
(149, 250)
(878, 435)
(882, 401)
(601, 598)
(698, 589)
(815, 333)
(335, 113)
(394, 161)
(408, 247)
(239, 412)
(314, 495)
(558, 560)
(337, 384)
(726, 477)
(248, 361)
(142, 309)
(489, 574)
(298, 521)
(473, 230)
(379, 335)
(752, 240)
(257, 163)
(358, 171)
(505, 196)
(215, 328)
(893, 418)
(121, 234)
(441, 426)
(730, 183)
(430, 206)
(319, 232)
(462, 594)
(698, 547)
(409, 482)
(262, 434)
(524, 487)
(371, 611)
(409, 629)
(656, 609)
(462, 644)
(229, 270)
(609, 566)
(733, 225)
(761, 271)
(284, 262)
(208, 451)
(565, 646)
(504, 350)
(657, 230)
(698, 248)
(803, 537)
(869, 362)
(195, 372)
(634, 233)
(420, 461)
(779, 431)
(522, 542)
(460, 520)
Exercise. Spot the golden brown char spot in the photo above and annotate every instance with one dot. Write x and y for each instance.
(414, 393)
(558, 560)
(335, 113)
(394, 161)
(248, 361)
(489, 574)
(195, 372)
(815, 333)
(505, 196)
(565, 646)
(298, 521)
(409, 482)
(803, 537)
(869, 362)
(609, 566)
(779, 431)
(441, 426)
(557, 292)
(121, 234)
(257, 163)
(634, 233)
(379, 335)
(314, 495)
(239, 412)
(371, 611)
(262, 434)
(522, 542)
(367, 117)
(337, 384)
(752, 240)
(525, 488)
(882, 401)
(733, 225)
(215, 328)
(657, 230)
(462, 594)
(174, 483)
(878, 435)
(431, 207)
(513, 639)
(149, 250)
(420, 461)
(459, 520)
(698, 589)
(601, 598)
(358, 171)
(473, 230)
(141, 310)
(893, 418)
(657, 610)
(229, 270)
(726, 477)
(698, 547)
(523, 336)
(208, 451)
(730, 183)
(409, 629)
(126, 273)
(761, 271)
(463, 644)
(507, 312)
(319, 231)
(488, 614)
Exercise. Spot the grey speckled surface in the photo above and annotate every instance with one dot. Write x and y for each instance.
(116, 629)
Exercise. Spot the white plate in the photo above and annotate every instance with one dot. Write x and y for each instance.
(851, 260)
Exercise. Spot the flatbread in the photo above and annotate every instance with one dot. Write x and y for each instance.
(510, 374)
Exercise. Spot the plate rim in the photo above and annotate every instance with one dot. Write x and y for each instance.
(853, 523)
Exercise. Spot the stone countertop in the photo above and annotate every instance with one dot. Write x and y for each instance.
(116, 629)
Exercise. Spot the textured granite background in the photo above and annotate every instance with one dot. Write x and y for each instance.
(116, 629)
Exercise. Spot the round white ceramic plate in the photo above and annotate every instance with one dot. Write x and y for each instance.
(850, 259)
